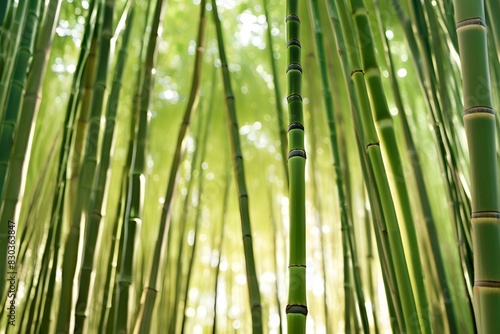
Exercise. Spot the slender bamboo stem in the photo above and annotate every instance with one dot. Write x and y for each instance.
(239, 174)
(97, 203)
(277, 92)
(9, 123)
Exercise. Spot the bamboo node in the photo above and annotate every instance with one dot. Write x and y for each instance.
(296, 266)
(292, 17)
(297, 152)
(294, 66)
(356, 71)
(487, 284)
(479, 109)
(295, 126)
(295, 42)
(294, 96)
(296, 308)
(472, 21)
(486, 214)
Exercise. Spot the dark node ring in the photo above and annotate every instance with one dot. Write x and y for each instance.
(488, 214)
(487, 284)
(297, 152)
(292, 17)
(294, 66)
(294, 42)
(475, 110)
(356, 71)
(472, 21)
(296, 266)
(295, 125)
(292, 97)
(296, 308)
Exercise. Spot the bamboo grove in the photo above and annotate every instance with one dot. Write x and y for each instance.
(321, 166)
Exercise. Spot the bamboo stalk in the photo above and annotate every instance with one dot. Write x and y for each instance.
(296, 309)
(479, 120)
(149, 292)
(239, 174)
(277, 92)
(348, 247)
(17, 167)
(9, 123)
(97, 203)
(384, 123)
(87, 176)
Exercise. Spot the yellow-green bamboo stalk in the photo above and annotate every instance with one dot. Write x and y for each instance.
(348, 246)
(219, 247)
(313, 128)
(87, 176)
(97, 203)
(479, 121)
(390, 147)
(136, 179)
(11, 40)
(386, 228)
(239, 174)
(277, 92)
(60, 189)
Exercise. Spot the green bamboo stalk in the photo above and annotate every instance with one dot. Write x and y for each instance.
(340, 183)
(390, 147)
(347, 55)
(112, 261)
(277, 92)
(87, 176)
(422, 54)
(12, 39)
(201, 176)
(221, 240)
(106, 322)
(312, 94)
(17, 166)
(421, 187)
(356, 85)
(9, 123)
(60, 191)
(493, 7)
(387, 231)
(296, 309)
(275, 260)
(149, 293)
(97, 203)
(82, 123)
(239, 174)
(183, 224)
(479, 120)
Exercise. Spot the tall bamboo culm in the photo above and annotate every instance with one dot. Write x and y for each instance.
(239, 174)
(296, 309)
(479, 122)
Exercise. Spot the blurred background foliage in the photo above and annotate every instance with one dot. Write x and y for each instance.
(218, 271)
